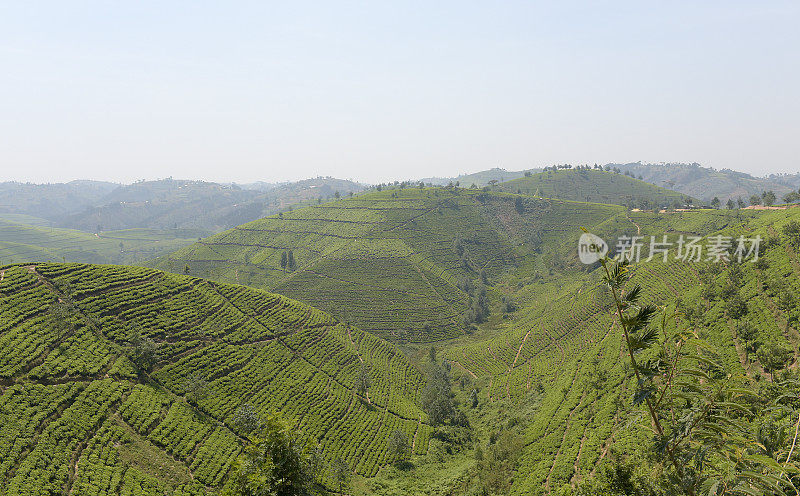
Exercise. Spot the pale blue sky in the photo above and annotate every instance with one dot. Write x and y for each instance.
(391, 90)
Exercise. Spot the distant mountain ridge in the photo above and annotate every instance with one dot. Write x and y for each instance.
(703, 183)
(706, 183)
(42, 200)
(163, 204)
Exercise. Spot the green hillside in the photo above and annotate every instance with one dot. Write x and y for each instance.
(163, 204)
(395, 262)
(28, 242)
(541, 382)
(79, 417)
(392, 262)
(566, 343)
(547, 370)
(592, 185)
(43, 200)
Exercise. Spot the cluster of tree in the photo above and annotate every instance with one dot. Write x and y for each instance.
(792, 197)
(363, 381)
(786, 297)
(478, 310)
(607, 168)
(791, 232)
(143, 351)
(452, 432)
(437, 397)
(278, 460)
(767, 198)
(407, 184)
(288, 261)
(461, 250)
(196, 388)
(631, 174)
(519, 204)
(508, 304)
(497, 462)
(398, 447)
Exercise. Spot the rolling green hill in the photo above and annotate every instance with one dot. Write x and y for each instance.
(34, 241)
(79, 417)
(558, 349)
(394, 262)
(199, 205)
(564, 342)
(540, 378)
(391, 262)
(592, 185)
(693, 180)
(163, 204)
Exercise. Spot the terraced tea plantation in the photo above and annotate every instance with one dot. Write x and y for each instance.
(391, 262)
(540, 382)
(568, 345)
(79, 417)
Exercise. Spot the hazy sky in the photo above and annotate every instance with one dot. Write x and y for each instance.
(382, 90)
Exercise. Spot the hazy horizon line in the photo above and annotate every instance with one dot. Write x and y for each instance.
(365, 182)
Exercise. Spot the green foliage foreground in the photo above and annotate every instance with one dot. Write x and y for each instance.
(694, 410)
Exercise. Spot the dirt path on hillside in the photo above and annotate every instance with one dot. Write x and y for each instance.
(575, 466)
(416, 431)
(520, 347)
(638, 229)
(463, 368)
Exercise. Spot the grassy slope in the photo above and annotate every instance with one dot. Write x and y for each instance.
(362, 256)
(592, 186)
(559, 339)
(77, 416)
(568, 341)
(386, 261)
(26, 242)
(562, 341)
